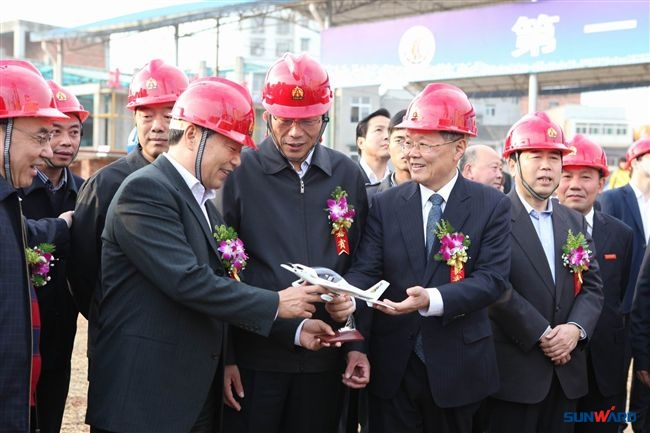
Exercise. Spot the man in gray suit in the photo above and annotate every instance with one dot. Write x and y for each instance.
(165, 291)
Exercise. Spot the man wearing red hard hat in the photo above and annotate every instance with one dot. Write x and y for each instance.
(53, 192)
(432, 354)
(541, 328)
(584, 171)
(166, 296)
(152, 93)
(277, 200)
(27, 111)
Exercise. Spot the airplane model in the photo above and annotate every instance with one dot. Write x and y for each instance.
(336, 284)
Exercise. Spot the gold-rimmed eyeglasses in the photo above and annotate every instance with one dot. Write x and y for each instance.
(408, 146)
(41, 138)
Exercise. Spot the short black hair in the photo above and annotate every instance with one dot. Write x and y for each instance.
(362, 126)
(396, 120)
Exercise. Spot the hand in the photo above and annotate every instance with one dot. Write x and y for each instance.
(418, 299)
(67, 217)
(298, 301)
(643, 376)
(310, 331)
(560, 341)
(357, 370)
(232, 382)
(563, 360)
(340, 308)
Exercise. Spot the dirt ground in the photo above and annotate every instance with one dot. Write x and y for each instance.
(75, 408)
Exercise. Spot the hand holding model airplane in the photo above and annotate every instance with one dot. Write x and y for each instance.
(333, 282)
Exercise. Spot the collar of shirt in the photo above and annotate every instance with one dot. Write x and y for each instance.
(529, 208)
(201, 195)
(46, 180)
(304, 166)
(371, 174)
(445, 191)
(590, 220)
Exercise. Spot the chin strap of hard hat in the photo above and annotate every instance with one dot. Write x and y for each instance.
(199, 154)
(5, 149)
(527, 185)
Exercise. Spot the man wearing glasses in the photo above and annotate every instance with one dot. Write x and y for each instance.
(276, 201)
(27, 111)
(432, 353)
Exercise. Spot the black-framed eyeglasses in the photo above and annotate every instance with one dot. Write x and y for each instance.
(42, 138)
(408, 146)
(303, 123)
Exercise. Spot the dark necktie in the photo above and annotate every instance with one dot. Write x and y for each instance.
(432, 221)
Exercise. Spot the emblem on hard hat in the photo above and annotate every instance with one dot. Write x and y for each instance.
(574, 151)
(60, 96)
(151, 84)
(551, 132)
(415, 115)
(297, 93)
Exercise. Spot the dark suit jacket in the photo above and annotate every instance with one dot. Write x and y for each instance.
(621, 203)
(57, 307)
(641, 318)
(613, 244)
(535, 303)
(459, 349)
(163, 302)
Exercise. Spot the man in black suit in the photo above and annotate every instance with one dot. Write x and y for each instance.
(641, 324)
(165, 291)
(631, 204)
(542, 326)
(372, 145)
(432, 356)
(583, 177)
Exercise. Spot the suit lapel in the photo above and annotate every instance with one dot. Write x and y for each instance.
(600, 234)
(409, 217)
(633, 205)
(560, 234)
(525, 235)
(181, 186)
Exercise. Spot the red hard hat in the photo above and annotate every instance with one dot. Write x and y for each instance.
(156, 83)
(586, 153)
(24, 92)
(638, 148)
(67, 102)
(441, 107)
(535, 132)
(296, 86)
(220, 105)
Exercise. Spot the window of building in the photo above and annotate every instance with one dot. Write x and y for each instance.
(304, 44)
(257, 47)
(258, 25)
(359, 108)
(581, 128)
(490, 110)
(595, 129)
(621, 130)
(258, 83)
(283, 27)
(282, 47)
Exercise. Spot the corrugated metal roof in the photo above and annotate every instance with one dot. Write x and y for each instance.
(161, 17)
